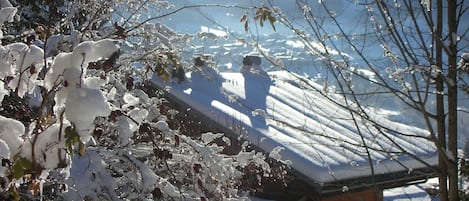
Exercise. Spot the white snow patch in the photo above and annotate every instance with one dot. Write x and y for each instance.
(259, 112)
(149, 178)
(7, 14)
(367, 73)
(47, 146)
(82, 107)
(18, 57)
(3, 91)
(215, 32)
(275, 153)
(90, 177)
(125, 133)
(4, 154)
(162, 126)
(5, 3)
(11, 131)
(130, 100)
(427, 3)
(94, 82)
(72, 65)
(416, 192)
(209, 137)
(295, 44)
(465, 57)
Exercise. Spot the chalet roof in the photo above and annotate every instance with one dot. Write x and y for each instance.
(276, 113)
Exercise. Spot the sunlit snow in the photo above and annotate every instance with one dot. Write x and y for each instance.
(312, 132)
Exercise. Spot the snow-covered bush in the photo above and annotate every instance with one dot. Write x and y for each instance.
(76, 123)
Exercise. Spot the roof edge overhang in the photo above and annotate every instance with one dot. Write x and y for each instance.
(382, 181)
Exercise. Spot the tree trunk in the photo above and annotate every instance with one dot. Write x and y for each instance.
(440, 107)
(452, 102)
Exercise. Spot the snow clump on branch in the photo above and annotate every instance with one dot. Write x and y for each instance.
(135, 154)
(81, 105)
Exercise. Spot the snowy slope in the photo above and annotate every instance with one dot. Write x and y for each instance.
(315, 136)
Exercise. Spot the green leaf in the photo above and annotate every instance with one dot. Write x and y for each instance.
(71, 138)
(163, 72)
(165, 76)
(272, 20)
(14, 193)
(20, 166)
(263, 14)
(81, 149)
(243, 18)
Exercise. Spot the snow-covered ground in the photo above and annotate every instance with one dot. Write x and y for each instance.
(415, 192)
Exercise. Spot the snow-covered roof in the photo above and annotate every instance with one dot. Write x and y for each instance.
(277, 114)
